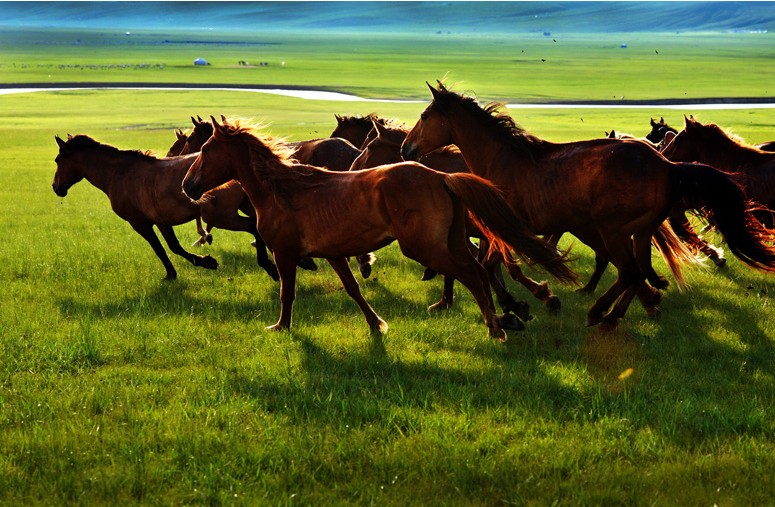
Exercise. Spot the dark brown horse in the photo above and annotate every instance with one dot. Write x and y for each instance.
(133, 180)
(658, 131)
(180, 141)
(356, 128)
(307, 211)
(614, 195)
(145, 191)
(385, 148)
(678, 220)
(753, 168)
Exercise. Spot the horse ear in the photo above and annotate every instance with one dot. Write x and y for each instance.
(199, 118)
(653, 123)
(223, 118)
(435, 93)
(193, 120)
(379, 127)
(59, 141)
(69, 136)
(338, 118)
(216, 126)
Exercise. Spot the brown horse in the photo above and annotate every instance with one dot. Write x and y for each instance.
(133, 180)
(385, 148)
(180, 141)
(307, 211)
(678, 220)
(614, 195)
(753, 168)
(356, 128)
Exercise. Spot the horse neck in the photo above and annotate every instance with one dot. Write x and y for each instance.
(728, 155)
(483, 152)
(253, 176)
(103, 169)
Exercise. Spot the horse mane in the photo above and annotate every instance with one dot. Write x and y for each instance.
(367, 120)
(271, 159)
(716, 130)
(83, 142)
(492, 117)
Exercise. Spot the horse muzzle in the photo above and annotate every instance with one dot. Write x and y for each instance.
(59, 190)
(192, 189)
(409, 152)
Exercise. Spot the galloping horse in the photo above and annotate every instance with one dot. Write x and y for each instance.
(142, 189)
(753, 168)
(385, 148)
(613, 195)
(308, 211)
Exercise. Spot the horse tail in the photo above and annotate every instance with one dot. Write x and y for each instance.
(703, 186)
(503, 229)
(673, 251)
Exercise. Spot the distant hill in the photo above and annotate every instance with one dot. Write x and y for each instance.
(405, 17)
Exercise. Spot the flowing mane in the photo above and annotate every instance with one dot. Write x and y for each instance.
(717, 134)
(272, 161)
(492, 117)
(367, 120)
(83, 142)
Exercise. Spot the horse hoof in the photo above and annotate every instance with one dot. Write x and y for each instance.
(654, 312)
(552, 304)
(720, 262)
(208, 262)
(271, 270)
(209, 239)
(308, 263)
(511, 322)
(428, 274)
(519, 308)
(499, 335)
(660, 283)
(380, 328)
(441, 305)
(365, 270)
(277, 327)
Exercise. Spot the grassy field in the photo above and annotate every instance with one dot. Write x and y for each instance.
(518, 68)
(117, 387)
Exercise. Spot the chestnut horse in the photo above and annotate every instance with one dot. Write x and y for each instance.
(614, 195)
(385, 148)
(753, 168)
(304, 210)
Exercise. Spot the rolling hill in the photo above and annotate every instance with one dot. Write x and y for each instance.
(408, 17)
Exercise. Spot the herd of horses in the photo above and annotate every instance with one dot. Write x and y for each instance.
(462, 171)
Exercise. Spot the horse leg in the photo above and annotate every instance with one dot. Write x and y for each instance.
(145, 230)
(342, 268)
(204, 236)
(168, 232)
(649, 296)
(631, 278)
(287, 269)
(228, 219)
(601, 263)
(364, 264)
(620, 251)
(446, 296)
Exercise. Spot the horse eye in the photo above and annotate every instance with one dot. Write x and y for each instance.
(424, 116)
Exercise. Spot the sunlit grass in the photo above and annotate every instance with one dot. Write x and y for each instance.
(118, 387)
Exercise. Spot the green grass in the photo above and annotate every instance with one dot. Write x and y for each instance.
(117, 387)
(512, 68)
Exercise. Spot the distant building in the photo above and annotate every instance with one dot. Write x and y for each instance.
(623, 45)
(200, 61)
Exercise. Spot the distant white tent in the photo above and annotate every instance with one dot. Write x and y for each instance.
(200, 61)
